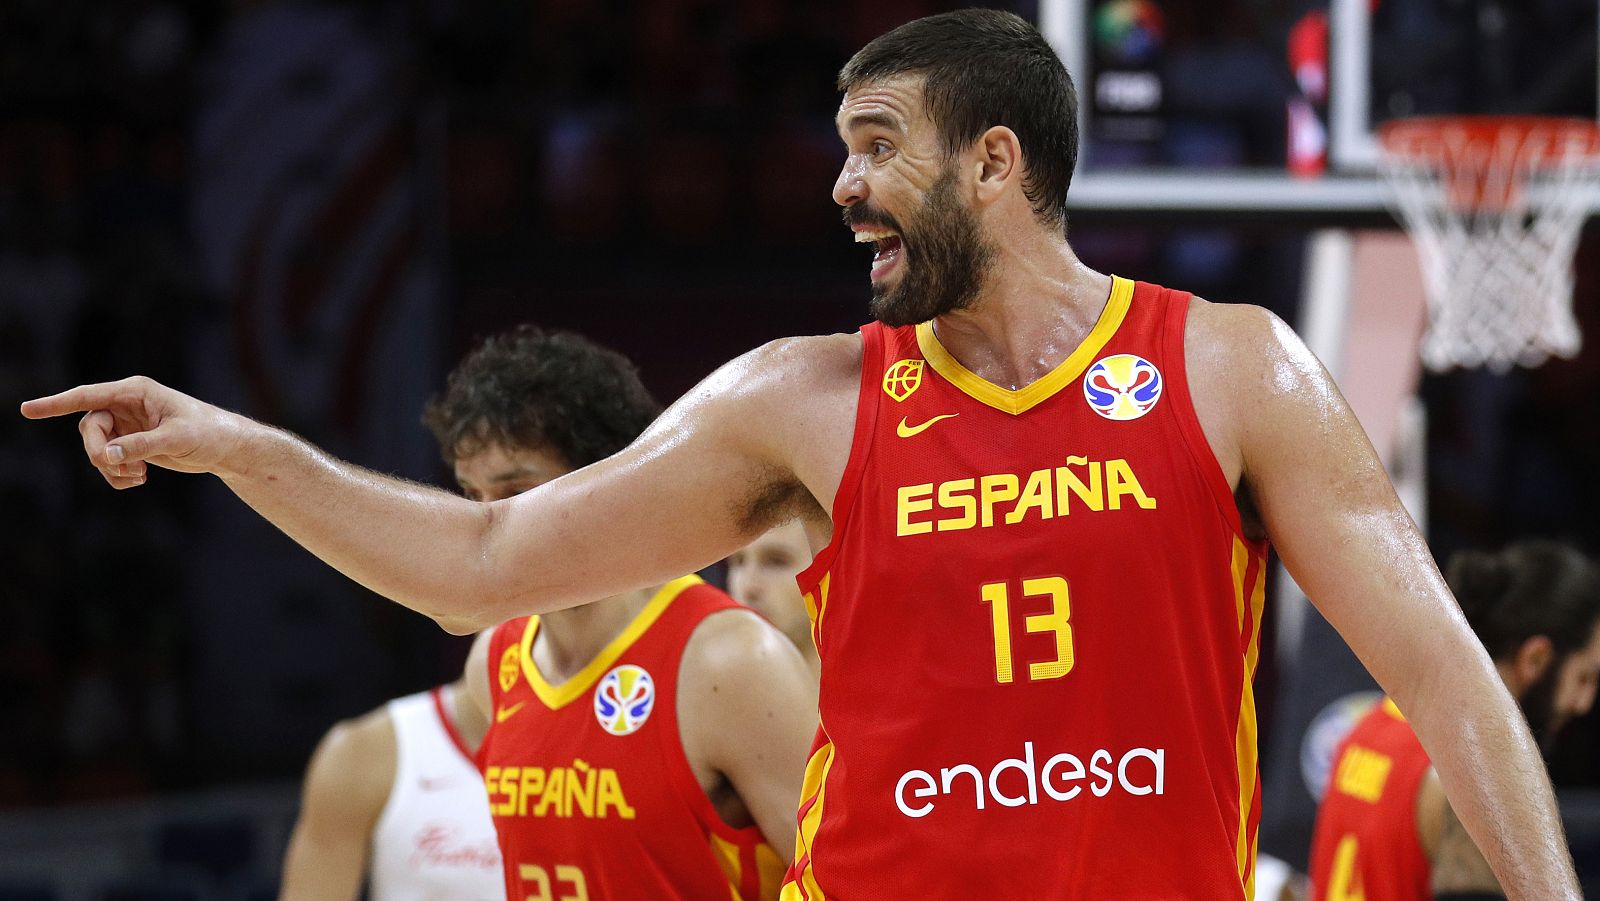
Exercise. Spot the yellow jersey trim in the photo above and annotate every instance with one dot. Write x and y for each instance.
(1393, 709)
(1024, 399)
(814, 785)
(557, 696)
(1245, 730)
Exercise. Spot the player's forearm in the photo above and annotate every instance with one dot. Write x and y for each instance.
(415, 545)
(1496, 782)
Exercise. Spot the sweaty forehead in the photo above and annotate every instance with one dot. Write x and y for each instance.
(895, 102)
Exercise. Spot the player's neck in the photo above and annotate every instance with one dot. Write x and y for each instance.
(569, 639)
(1037, 305)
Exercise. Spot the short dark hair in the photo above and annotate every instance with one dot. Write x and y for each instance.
(982, 68)
(532, 389)
(1533, 587)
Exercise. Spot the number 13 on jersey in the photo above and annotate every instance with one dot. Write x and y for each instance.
(1055, 620)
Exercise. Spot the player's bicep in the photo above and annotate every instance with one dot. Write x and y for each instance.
(1333, 515)
(1460, 871)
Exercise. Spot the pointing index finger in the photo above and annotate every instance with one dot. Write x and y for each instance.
(81, 399)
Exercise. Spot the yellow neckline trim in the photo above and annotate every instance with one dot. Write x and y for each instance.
(1393, 709)
(1030, 396)
(557, 696)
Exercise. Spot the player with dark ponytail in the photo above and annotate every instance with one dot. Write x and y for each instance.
(1385, 825)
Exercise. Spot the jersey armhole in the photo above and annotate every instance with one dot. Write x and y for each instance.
(844, 500)
(1175, 327)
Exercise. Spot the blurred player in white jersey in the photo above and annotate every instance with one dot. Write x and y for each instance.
(394, 799)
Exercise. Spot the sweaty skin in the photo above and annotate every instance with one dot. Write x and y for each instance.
(766, 438)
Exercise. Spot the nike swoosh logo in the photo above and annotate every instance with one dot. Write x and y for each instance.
(505, 713)
(906, 431)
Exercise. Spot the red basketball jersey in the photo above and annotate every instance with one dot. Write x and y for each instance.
(591, 794)
(1366, 843)
(1038, 623)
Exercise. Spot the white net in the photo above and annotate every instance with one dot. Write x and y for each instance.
(1495, 206)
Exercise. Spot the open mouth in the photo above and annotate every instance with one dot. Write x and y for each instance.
(889, 250)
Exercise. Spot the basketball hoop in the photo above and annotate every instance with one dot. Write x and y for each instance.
(1494, 205)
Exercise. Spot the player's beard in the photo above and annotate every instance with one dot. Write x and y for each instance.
(943, 254)
(1538, 705)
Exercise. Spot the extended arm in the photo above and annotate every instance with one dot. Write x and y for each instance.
(708, 476)
(1341, 531)
(346, 787)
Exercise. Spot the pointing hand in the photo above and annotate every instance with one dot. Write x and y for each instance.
(137, 421)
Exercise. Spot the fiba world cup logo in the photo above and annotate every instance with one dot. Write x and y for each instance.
(1122, 386)
(624, 699)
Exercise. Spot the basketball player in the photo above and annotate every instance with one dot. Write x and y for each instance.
(647, 745)
(1384, 831)
(762, 575)
(1037, 599)
(394, 796)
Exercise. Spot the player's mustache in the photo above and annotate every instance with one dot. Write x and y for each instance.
(865, 216)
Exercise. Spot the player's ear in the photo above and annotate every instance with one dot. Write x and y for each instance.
(997, 163)
(1533, 658)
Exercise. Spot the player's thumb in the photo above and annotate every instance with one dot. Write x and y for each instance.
(141, 446)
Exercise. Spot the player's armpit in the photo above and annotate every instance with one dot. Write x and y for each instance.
(1459, 869)
(748, 709)
(346, 787)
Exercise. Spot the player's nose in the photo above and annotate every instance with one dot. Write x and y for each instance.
(850, 188)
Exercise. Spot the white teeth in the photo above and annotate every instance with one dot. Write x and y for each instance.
(866, 237)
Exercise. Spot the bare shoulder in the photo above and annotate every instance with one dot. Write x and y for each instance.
(1253, 381)
(733, 646)
(737, 667)
(790, 403)
(803, 370)
(743, 686)
(353, 768)
(365, 742)
(816, 356)
(1227, 346)
(1235, 337)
